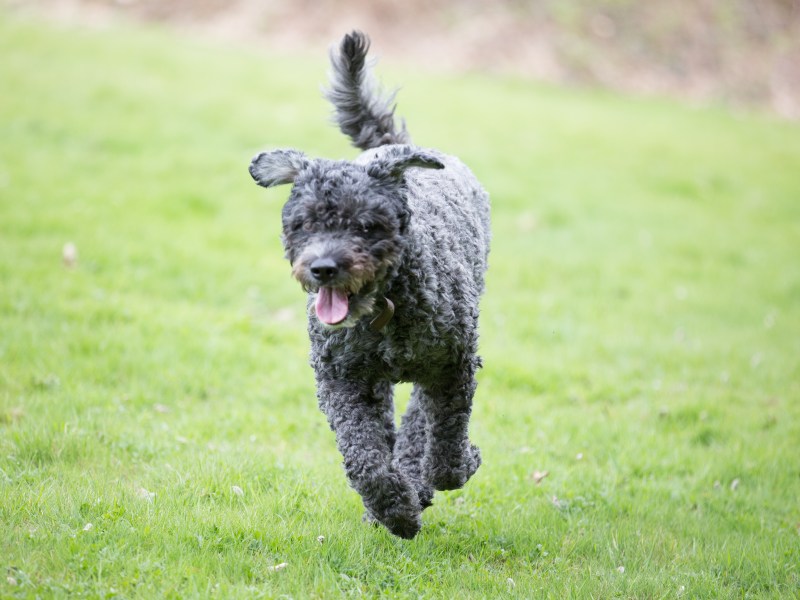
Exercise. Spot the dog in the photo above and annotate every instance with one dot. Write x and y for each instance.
(391, 248)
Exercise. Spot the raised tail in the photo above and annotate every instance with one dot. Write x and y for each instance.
(361, 110)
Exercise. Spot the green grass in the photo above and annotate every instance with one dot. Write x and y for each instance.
(640, 331)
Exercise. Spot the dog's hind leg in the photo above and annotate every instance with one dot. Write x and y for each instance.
(450, 459)
(384, 394)
(357, 413)
(409, 449)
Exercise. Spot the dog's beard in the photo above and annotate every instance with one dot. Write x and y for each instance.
(349, 295)
(346, 299)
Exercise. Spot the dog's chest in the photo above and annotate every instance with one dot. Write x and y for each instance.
(409, 356)
(394, 354)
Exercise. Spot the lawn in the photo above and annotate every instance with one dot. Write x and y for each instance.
(159, 435)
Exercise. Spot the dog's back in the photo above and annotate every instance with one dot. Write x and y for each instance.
(449, 222)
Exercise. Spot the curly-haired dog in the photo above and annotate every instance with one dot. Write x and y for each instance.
(391, 248)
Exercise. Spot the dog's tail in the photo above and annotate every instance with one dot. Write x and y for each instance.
(361, 110)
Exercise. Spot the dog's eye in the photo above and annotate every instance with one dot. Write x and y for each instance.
(371, 228)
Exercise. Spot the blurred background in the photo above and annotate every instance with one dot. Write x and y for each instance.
(740, 53)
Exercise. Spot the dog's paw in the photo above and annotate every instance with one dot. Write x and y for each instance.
(404, 526)
(393, 502)
(402, 521)
(452, 472)
(423, 488)
(425, 494)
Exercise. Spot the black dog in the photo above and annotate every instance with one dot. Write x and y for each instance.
(392, 249)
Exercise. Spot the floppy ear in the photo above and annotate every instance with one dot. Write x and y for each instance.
(394, 165)
(277, 167)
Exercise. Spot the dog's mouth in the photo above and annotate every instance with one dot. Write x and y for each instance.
(341, 307)
(332, 305)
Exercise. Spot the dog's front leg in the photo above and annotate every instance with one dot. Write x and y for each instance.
(357, 415)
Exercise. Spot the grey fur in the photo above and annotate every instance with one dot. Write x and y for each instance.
(277, 167)
(407, 224)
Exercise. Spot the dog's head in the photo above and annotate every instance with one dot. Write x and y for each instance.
(344, 224)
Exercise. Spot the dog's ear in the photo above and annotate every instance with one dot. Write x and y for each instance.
(393, 165)
(277, 167)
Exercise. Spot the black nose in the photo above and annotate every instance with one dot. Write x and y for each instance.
(324, 269)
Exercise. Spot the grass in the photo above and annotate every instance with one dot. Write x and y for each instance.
(159, 435)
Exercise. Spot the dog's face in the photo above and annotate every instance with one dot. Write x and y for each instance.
(343, 226)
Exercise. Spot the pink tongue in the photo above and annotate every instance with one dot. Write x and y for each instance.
(332, 306)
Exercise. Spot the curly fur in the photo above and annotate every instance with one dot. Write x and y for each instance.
(407, 224)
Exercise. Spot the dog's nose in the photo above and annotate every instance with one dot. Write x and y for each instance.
(324, 269)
